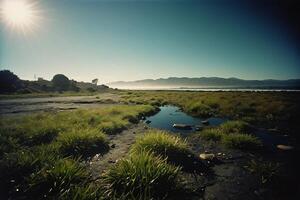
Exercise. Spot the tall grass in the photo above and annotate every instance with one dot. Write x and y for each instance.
(141, 176)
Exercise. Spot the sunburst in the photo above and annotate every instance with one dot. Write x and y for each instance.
(21, 15)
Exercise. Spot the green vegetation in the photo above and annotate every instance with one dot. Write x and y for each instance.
(266, 171)
(266, 108)
(141, 176)
(41, 154)
(84, 143)
(11, 86)
(171, 147)
(241, 141)
(232, 134)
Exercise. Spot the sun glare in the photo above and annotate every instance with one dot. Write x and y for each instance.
(19, 14)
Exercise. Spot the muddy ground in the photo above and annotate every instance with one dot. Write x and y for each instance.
(32, 105)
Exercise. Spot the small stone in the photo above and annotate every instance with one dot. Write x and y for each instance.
(189, 155)
(285, 147)
(111, 161)
(113, 146)
(207, 156)
(133, 132)
(219, 154)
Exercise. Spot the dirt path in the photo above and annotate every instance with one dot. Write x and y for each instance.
(32, 105)
(119, 147)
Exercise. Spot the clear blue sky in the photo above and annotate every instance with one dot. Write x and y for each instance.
(130, 40)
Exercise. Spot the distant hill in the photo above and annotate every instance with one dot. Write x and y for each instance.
(207, 82)
(10, 83)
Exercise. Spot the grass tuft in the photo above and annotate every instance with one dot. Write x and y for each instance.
(83, 143)
(171, 147)
(141, 176)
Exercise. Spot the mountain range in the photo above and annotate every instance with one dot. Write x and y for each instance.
(207, 82)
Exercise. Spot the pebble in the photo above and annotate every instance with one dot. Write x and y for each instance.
(285, 147)
(207, 156)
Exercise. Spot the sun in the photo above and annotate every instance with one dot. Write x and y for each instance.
(19, 14)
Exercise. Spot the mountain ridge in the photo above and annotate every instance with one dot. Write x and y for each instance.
(207, 82)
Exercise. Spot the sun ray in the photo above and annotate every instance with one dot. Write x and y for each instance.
(22, 15)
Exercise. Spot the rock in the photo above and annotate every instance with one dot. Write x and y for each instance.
(182, 126)
(113, 146)
(198, 127)
(205, 122)
(148, 122)
(207, 156)
(219, 154)
(284, 147)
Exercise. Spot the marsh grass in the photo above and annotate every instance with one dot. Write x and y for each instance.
(83, 143)
(52, 182)
(141, 176)
(253, 106)
(241, 141)
(35, 150)
(266, 171)
(171, 147)
(232, 134)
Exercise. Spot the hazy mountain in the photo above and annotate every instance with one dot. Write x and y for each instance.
(207, 82)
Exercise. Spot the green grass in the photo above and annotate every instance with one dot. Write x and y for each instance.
(141, 176)
(232, 134)
(266, 171)
(34, 149)
(212, 134)
(55, 181)
(82, 143)
(241, 141)
(171, 147)
(236, 126)
(264, 108)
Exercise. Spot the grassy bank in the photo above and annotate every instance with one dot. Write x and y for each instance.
(269, 109)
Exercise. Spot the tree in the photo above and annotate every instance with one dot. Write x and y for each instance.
(95, 81)
(9, 82)
(61, 82)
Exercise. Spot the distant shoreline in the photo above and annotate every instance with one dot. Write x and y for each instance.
(212, 89)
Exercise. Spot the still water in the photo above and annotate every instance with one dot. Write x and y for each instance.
(169, 115)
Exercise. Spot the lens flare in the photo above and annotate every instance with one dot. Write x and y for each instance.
(19, 14)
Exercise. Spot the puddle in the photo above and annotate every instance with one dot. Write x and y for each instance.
(169, 115)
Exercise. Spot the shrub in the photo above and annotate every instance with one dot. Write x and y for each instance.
(82, 142)
(141, 176)
(241, 141)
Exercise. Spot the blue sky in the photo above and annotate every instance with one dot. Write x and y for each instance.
(130, 40)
